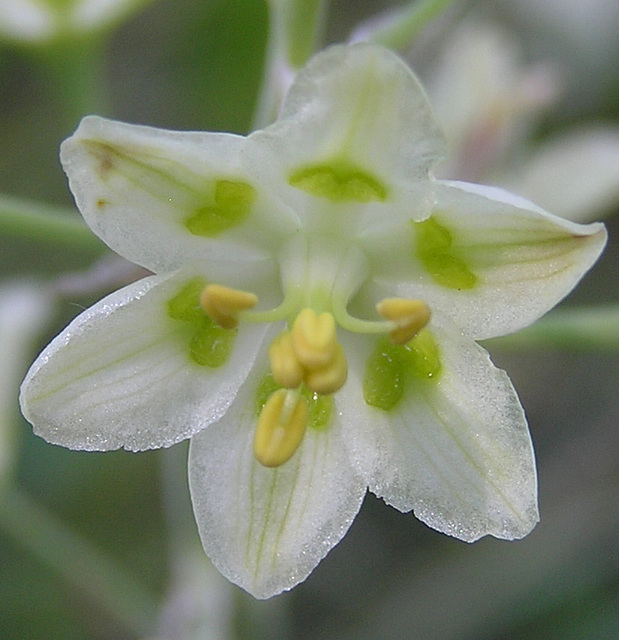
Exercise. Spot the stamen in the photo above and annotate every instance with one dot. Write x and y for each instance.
(314, 338)
(223, 304)
(357, 325)
(281, 426)
(285, 366)
(330, 378)
(409, 316)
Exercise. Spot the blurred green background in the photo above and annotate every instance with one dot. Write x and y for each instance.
(197, 64)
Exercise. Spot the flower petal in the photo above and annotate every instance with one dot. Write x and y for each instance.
(164, 198)
(267, 529)
(455, 449)
(491, 261)
(356, 109)
(125, 373)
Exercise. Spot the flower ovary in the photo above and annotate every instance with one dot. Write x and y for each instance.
(314, 338)
(285, 366)
(330, 378)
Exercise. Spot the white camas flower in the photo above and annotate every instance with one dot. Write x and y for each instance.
(312, 320)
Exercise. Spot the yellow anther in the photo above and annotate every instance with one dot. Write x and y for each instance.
(314, 338)
(285, 366)
(330, 378)
(281, 426)
(223, 304)
(409, 316)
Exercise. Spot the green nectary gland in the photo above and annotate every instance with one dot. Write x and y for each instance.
(266, 387)
(339, 182)
(391, 368)
(423, 356)
(185, 305)
(320, 410)
(320, 407)
(209, 344)
(433, 247)
(231, 207)
(383, 383)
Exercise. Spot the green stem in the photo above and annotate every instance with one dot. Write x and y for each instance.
(294, 29)
(75, 69)
(594, 327)
(77, 561)
(303, 27)
(44, 223)
(271, 90)
(176, 499)
(400, 32)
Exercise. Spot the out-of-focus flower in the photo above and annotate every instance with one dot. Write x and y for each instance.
(24, 308)
(39, 21)
(489, 102)
(485, 99)
(575, 174)
(313, 319)
(581, 35)
(199, 605)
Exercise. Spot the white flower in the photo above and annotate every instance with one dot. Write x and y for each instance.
(38, 21)
(200, 603)
(580, 34)
(489, 102)
(359, 284)
(575, 173)
(24, 309)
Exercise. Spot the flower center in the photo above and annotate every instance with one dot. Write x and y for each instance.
(306, 360)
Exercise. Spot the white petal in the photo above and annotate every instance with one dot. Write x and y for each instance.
(266, 529)
(457, 450)
(359, 104)
(121, 375)
(524, 260)
(137, 187)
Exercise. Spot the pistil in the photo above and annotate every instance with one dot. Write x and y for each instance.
(286, 368)
(309, 354)
(314, 338)
(307, 358)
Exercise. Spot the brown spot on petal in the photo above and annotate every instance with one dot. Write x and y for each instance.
(106, 164)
